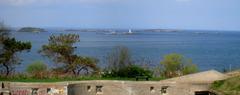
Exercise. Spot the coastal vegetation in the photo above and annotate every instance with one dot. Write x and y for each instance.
(61, 50)
(31, 29)
(230, 86)
(177, 65)
(10, 47)
(121, 64)
(37, 69)
(68, 65)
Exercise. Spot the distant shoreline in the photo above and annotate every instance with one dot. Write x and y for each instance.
(110, 30)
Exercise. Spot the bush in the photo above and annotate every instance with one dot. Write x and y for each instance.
(37, 69)
(176, 65)
(229, 86)
(119, 58)
(128, 72)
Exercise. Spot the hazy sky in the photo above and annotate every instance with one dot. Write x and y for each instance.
(176, 14)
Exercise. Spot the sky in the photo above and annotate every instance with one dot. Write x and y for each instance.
(135, 14)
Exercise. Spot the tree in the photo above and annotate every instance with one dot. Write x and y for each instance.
(132, 71)
(8, 57)
(87, 63)
(120, 64)
(120, 57)
(37, 69)
(61, 50)
(9, 48)
(177, 65)
(4, 32)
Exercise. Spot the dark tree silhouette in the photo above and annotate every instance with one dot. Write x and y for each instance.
(61, 50)
(9, 48)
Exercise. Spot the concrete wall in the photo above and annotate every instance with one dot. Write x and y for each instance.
(184, 85)
(104, 87)
(133, 88)
(20, 88)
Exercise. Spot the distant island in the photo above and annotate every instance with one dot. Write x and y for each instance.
(72, 30)
(31, 29)
(111, 30)
(87, 30)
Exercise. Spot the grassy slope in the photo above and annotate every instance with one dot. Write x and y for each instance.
(229, 86)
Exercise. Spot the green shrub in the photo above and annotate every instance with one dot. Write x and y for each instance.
(37, 69)
(177, 65)
(128, 72)
(217, 84)
(230, 86)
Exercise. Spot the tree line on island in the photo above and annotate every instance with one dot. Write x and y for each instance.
(61, 50)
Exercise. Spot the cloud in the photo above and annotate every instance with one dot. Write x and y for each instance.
(16, 2)
(27, 2)
(183, 0)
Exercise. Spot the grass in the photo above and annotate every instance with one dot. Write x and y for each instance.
(56, 79)
(229, 86)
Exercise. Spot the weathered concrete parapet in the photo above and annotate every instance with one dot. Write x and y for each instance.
(134, 88)
(124, 88)
(4, 89)
(19, 88)
(185, 85)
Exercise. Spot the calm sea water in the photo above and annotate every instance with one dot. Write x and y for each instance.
(207, 49)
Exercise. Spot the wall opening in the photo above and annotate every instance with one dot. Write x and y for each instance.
(34, 91)
(204, 93)
(89, 88)
(3, 85)
(164, 90)
(99, 89)
(48, 90)
(152, 89)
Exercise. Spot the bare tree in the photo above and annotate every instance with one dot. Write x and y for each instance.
(120, 57)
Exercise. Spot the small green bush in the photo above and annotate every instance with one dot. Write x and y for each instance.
(128, 72)
(175, 65)
(217, 84)
(37, 69)
(230, 86)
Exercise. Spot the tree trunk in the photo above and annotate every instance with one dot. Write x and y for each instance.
(79, 70)
(74, 72)
(7, 69)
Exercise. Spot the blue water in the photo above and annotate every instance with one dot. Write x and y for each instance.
(207, 49)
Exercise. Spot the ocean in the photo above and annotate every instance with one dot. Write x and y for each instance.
(208, 49)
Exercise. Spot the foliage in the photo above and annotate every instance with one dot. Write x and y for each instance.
(230, 86)
(86, 63)
(31, 29)
(119, 58)
(37, 69)
(8, 56)
(61, 50)
(129, 72)
(176, 65)
(121, 65)
(26, 78)
(4, 32)
(190, 68)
